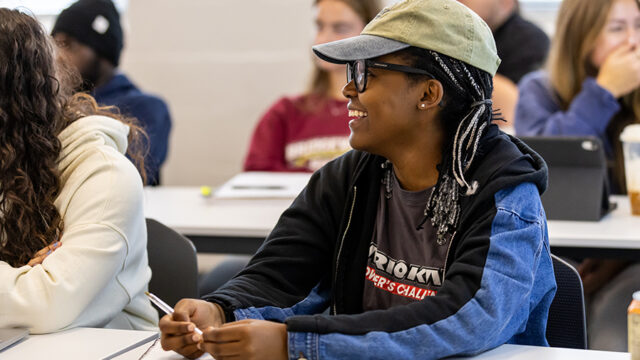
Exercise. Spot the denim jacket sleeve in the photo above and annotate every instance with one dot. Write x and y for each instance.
(316, 302)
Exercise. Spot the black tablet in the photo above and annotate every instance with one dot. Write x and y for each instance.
(578, 186)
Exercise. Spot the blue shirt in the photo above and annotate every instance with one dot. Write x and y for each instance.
(151, 112)
(539, 111)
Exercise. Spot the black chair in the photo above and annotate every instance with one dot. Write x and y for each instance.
(567, 325)
(173, 263)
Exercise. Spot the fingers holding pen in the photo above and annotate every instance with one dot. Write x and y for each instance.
(179, 336)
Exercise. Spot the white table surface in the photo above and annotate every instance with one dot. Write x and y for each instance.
(78, 343)
(504, 352)
(522, 352)
(618, 229)
(189, 213)
(90, 343)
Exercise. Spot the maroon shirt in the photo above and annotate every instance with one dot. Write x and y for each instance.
(299, 134)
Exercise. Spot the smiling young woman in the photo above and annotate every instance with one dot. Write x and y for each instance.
(426, 237)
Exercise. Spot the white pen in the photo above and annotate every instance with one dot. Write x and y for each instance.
(164, 307)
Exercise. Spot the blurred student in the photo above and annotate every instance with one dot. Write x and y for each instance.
(591, 88)
(89, 32)
(522, 46)
(72, 229)
(427, 241)
(304, 132)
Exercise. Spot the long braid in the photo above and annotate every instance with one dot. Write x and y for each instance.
(467, 105)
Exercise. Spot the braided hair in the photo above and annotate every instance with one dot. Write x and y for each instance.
(465, 114)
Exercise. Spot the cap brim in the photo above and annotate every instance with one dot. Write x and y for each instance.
(357, 48)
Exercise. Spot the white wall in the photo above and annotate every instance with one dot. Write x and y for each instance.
(541, 13)
(219, 64)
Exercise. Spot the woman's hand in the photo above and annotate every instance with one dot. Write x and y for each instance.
(247, 339)
(620, 72)
(178, 330)
(595, 273)
(42, 254)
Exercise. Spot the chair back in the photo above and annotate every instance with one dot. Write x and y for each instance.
(566, 325)
(173, 263)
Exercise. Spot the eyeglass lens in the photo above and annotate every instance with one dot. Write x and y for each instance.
(360, 75)
(356, 72)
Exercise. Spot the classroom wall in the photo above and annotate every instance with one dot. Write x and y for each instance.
(220, 64)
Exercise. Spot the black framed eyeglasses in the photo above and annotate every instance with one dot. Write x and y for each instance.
(357, 71)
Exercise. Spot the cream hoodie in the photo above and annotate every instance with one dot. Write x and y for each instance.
(98, 277)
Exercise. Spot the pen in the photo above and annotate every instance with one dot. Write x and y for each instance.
(257, 187)
(164, 306)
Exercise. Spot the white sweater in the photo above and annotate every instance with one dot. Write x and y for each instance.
(98, 277)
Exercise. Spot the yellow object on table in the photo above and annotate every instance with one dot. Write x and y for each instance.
(205, 191)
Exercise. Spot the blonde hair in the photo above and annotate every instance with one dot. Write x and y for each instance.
(569, 64)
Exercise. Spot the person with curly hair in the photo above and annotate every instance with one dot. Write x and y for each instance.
(72, 227)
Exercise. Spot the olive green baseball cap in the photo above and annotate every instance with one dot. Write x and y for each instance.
(444, 26)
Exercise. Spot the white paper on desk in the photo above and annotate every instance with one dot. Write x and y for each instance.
(263, 185)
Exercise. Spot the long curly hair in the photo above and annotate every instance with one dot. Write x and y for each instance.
(36, 103)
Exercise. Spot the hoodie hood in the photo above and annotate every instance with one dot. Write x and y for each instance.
(89, 133)
(503, 162)
(115, 88)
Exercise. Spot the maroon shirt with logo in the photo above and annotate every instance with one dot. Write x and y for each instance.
(299, 134)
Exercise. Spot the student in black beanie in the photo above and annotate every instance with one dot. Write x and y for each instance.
(90, 34)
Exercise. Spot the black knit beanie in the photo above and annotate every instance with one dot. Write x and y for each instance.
(96, 24)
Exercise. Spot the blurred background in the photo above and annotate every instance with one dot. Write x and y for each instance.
(219, 64)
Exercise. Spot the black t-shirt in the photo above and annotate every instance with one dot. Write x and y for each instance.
(522, 46)
(405, 263)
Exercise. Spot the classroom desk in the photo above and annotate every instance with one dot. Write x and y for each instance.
(523, 352)
(79, 343)
(616, 235)
(90, 343)
(504, 352)
(214, 225)
(240, 225)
